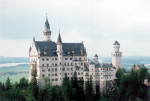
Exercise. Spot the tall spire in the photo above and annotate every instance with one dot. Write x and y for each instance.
(47, 26)
(59, 40)
(33, 39)
(47, 31)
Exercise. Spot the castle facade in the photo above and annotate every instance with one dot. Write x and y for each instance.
(53, 60)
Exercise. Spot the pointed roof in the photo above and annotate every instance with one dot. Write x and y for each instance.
(95, 55)
(116, 43)
(33, 39)
(47, 26)
(59, 40)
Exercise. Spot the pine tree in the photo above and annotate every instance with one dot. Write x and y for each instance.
(89, 93)
(66, 89)
(34, 84)
(8, 84)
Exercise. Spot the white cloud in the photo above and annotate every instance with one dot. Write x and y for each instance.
(14, 48)
(96, 22)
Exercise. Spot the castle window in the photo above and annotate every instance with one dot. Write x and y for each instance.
(63, 69)
(42, 59)
(79, 58)
(72, 69)
(47, 59)
(55, 58)
(43, 65)
(52, 69)
(43, 70)
(55, 69)
(52, 64)
(70, 58)
(78, 73)
(56, 74)
(48, 74)
(55, 64)
(64, 64)
(47, 65)
(56, 79)
(68, 64)
(81, 63)
(75, 64)
(66, 58)
(48, 69)
(68, 69)
(43, 75)
(71, 64)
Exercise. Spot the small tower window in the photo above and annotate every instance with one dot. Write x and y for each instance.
(43, 75)
(42, 59)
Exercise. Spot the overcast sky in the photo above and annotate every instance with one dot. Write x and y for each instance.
(98, 23)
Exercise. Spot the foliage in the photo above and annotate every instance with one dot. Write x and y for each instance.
(127, 87)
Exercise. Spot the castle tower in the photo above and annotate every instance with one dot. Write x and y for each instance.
(96, 59)
(47, 31)
(116, 55)
(60, 58)
(59, 47)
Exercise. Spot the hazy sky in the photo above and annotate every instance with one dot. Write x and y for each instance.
(96, 22)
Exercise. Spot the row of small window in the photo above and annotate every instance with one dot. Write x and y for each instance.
(56, 79)
(60, 74)
(47, 59)
(65, 64)
(63, 69)
(103, 73)
(105, 77)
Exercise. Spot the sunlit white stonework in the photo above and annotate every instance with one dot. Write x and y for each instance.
(53, 60)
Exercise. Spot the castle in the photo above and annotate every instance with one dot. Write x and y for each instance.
(55, 59)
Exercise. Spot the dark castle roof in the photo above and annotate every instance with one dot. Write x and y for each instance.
(100, 65)
(49, 48)
(116, 43)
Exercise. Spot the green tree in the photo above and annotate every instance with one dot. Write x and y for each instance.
(34, 85)
(89, 93)
(8, 84)
(66, 87)
(23, 83)
(132, 86)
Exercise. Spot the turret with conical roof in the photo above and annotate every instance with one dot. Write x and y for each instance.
(59, 40)
(116, 55)
(59, 47)
(47, 31)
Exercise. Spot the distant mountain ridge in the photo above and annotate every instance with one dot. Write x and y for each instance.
(4, 60)
(125, 59)
(17, 67)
